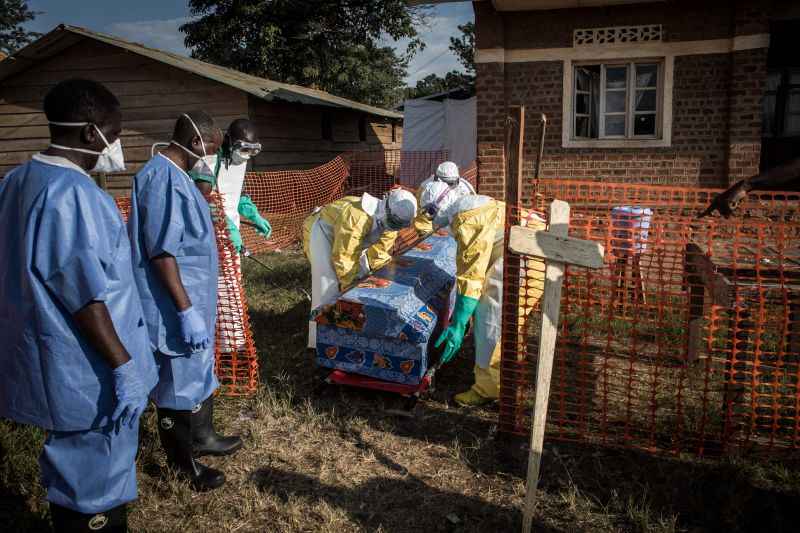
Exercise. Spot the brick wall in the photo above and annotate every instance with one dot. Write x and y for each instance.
(716, 128)
(747, 87)
(491, 106)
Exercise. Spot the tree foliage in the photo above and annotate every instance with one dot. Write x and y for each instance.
(13, 13)
(330, 45)
(435, 84)
(463, 46)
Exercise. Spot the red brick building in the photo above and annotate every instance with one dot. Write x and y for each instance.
(681, 92)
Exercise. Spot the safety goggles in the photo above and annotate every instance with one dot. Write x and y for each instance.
(247, 148)
(393, 222)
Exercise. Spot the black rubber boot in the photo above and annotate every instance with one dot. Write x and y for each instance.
(175, 431)
(205, 440)
(68, 521)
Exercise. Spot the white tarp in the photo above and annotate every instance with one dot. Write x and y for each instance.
(448, 125)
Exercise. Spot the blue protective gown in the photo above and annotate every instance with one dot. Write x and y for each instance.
(170, 215)
(64, 244)
(91, 471)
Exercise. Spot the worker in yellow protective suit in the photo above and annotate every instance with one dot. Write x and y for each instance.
(350, 237)
(448, 173)
(477, 224)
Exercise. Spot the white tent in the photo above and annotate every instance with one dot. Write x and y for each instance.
(451, 125)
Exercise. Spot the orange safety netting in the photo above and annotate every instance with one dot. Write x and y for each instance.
(285, 198)
(688, 340)
(234, 349)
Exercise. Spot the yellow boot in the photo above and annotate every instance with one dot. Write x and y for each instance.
(487, 384)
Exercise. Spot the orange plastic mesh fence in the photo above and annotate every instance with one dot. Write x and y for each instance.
(236, 360)
(688, 340)
(235, 351)
(285, 198)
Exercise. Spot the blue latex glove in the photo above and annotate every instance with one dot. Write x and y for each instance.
(453, 336)
(131, 394)
(193, 329)
(249, 210)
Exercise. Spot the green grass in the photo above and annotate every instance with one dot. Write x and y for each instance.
(334, 460)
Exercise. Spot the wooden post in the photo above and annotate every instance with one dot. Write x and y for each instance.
(541, 149)
(558, 250)
(509, 387)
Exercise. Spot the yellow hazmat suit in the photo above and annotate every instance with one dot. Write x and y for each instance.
(478, 227)
(341, 242)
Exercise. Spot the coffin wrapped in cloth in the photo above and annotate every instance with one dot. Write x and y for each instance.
(384, 326)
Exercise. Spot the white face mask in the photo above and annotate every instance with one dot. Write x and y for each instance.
(239, 158)
(111, 159)
(205, 165)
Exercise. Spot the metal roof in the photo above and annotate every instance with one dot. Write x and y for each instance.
(64, 36)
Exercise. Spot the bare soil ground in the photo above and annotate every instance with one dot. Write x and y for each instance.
(324, 459)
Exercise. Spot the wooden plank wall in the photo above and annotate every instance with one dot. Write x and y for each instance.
(291, 134)
(152, 94)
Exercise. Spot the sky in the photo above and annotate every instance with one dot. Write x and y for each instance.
(155, 23)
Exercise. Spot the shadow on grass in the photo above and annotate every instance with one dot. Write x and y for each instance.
(396, 504)
(733, 495)
(17, 515)
(21, 495)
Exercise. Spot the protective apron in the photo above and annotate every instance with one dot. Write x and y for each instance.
(230, 182)
(342, 241)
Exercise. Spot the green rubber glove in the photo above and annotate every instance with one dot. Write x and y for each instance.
(453, 336)
(249, 210)
(233, 233)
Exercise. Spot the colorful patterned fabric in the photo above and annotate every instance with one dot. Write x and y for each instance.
(395, 301)
(382, 327)
(382, 358)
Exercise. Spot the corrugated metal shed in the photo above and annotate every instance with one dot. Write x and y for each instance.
(65, 36)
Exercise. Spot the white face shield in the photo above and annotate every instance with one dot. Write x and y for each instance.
(436, 198)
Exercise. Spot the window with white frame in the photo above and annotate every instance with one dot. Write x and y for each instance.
(617, 100)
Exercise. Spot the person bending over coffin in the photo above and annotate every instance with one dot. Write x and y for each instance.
(448, 173)
(477, 224)
(350, 237)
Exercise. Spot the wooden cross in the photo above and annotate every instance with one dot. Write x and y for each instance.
(558, 250)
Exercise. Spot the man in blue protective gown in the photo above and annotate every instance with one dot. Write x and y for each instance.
(175, 265)
(75, 356)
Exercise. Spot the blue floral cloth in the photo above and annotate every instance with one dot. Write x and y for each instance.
(382, 328)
